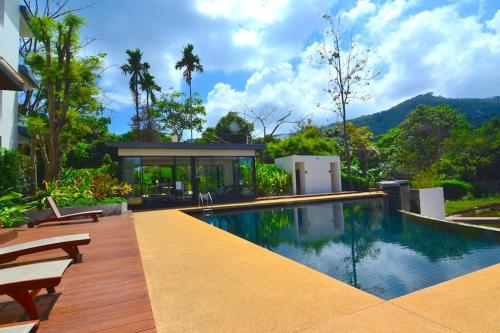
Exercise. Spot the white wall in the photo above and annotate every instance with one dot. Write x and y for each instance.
(319, 222)
(317, 177)
(432, 202)
(9, 50)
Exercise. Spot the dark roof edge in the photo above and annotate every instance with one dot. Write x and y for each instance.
(184, 145)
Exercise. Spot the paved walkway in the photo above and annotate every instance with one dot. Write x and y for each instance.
(202, 279)
(105, 293)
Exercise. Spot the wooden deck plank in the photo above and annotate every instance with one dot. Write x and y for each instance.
(105, 293)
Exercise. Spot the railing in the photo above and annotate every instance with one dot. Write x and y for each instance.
(202, 198)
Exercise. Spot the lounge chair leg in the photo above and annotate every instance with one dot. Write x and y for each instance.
(95, 218)
(26, 300)
(74, 253)
(51, 290)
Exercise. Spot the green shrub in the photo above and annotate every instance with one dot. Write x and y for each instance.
(358, 183)
(455, 189)
(14, 174)
(272, 180)
(82, 187)
(11, 210)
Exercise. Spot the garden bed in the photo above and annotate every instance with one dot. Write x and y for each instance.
(107, 210)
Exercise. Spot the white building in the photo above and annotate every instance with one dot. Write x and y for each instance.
(312, 174)
(13, 77)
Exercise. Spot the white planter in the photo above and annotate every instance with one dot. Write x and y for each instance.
(430, 202)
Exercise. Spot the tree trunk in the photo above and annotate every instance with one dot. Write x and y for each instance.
(55, 153)
(347, 148)
(33, 168)
(191, 111)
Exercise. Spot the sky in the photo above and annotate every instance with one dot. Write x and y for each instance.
(257, 54)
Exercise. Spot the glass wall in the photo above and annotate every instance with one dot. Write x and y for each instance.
(226, 178)
(132, 174)
(164, 180)
(157, 179)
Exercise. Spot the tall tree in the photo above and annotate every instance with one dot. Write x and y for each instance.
(188, 64)
(173, 115)
(135, 68)
(148, 85)
(69, 82)
(229, 129)
(347, 73)
(31, 102)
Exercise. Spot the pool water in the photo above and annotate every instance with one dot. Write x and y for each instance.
(361, 243)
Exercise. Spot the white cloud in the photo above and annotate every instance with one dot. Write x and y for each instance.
(439, 50)
(363, 7)
(259, 11)
(494, 23)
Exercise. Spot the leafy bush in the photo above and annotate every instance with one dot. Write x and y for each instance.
(455, 189)
(358, 183)
(11, 211)
(83, 187)
(271, 180)
(13, 171)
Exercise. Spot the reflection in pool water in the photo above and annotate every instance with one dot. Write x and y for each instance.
(360, 243)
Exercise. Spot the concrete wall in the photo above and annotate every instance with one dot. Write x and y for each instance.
(317, 175)
(432, 202)
(9, 50)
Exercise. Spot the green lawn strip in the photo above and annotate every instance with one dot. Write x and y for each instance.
(454, 207)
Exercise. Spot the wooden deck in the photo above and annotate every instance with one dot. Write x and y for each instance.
(105, 293)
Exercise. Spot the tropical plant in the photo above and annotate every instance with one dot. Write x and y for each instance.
(188, 64)
(176, 115)
(14, 171)
(12, 212)
(310, 141)
(69, 82)
(229, 129)
(135, 67)
(272, 180)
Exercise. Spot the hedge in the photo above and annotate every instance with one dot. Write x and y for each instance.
(359, 183)
(455, 189)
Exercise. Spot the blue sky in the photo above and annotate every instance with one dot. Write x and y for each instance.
(257, 53)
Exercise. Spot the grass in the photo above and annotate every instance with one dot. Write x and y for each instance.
(454, 207)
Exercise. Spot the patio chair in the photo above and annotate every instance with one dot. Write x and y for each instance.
(21, 327)
(68, 243)
(24, 282)
(59, 217)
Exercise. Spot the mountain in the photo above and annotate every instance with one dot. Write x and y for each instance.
(476, 110)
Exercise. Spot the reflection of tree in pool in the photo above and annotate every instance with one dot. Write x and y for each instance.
(435, 244)
(271, 225)
(266, 228)
(358, 234)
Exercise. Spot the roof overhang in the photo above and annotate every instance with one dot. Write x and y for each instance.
(24, 18)
(29, 81)
(9, 78)
(184, 145)
(145, 149)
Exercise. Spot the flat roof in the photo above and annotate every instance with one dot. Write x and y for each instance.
(184, 145)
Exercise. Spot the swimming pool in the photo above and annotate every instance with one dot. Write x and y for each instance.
(361, 243)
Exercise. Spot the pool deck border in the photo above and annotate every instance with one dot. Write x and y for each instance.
(203, 279)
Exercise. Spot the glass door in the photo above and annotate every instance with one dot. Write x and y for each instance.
(183, 183)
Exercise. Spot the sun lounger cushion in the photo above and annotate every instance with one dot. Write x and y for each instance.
(68, 243)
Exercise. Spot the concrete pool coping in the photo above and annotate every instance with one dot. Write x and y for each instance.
(201, 278)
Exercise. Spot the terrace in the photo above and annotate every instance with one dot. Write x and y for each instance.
(166, 271)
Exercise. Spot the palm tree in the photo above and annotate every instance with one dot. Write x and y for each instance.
(135, 68)
(149, 86)
(189, 63)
